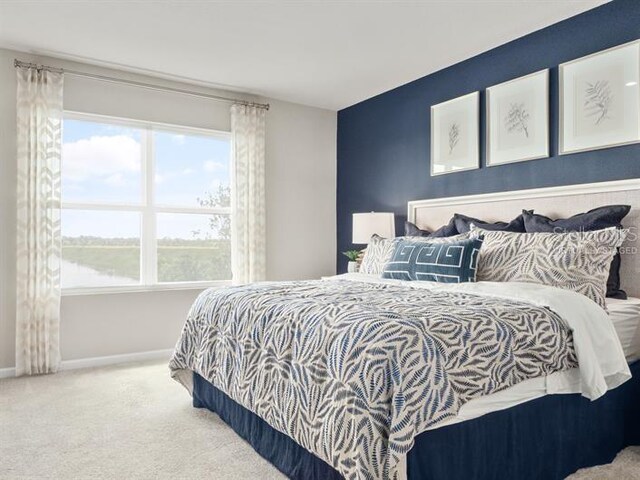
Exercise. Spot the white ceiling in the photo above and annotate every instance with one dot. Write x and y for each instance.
(328, 54)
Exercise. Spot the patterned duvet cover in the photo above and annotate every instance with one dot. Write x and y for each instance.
(353, 371)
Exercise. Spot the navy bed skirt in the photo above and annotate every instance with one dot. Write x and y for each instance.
(547, 438)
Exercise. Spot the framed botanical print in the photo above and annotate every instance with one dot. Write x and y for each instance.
(454, 135)
(600, 100)
(518, 119)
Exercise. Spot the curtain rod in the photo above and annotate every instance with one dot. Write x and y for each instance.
(149, 86)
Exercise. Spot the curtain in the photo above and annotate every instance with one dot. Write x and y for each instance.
(39, 138)
(248, 216)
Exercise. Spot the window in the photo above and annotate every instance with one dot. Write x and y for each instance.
(143, 205)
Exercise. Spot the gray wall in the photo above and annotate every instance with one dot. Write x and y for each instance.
(301, 199)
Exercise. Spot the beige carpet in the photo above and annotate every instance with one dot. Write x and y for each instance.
(626, 466)
(122, 422)
(134, 422)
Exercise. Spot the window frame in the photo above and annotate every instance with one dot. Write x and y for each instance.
(147, 208)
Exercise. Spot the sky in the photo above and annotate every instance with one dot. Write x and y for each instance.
(103, 163)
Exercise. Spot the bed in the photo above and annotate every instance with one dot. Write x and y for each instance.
(363, 377)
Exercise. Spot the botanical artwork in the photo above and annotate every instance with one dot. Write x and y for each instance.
(454, 135)
(455, 145)
(598, 111)
(517, 113)
(517, 119)
(600, 100)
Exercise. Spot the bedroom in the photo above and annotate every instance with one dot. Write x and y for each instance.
(194, 150)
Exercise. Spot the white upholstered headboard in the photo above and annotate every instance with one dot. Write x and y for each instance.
(553, 202)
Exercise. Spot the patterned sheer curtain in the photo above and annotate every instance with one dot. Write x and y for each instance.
(248, 215)
(39, 127)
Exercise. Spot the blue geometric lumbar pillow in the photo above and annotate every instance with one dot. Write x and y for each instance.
(436, 262)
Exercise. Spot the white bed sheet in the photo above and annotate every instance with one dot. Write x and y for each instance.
(625, 315)
(600, 353)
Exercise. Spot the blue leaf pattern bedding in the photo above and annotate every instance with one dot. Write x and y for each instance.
(353, 371)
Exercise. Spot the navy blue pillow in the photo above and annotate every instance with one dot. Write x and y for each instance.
(463, 224)
(595, 219)
(453, 262)
(448, 230)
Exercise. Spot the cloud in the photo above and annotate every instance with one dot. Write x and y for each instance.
(116, 180)
(164, 176)
(213, 166)
(178, 139)
(100, 156)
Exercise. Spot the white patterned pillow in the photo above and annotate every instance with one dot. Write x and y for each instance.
(380, 250)
(577, 261)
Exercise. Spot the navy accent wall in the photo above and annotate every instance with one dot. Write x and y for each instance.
(383, 142)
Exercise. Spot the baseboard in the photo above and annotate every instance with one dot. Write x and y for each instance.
(102, 361)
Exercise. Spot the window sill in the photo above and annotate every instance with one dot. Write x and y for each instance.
(69, 292)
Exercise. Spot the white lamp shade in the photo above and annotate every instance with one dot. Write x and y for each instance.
(366, 224)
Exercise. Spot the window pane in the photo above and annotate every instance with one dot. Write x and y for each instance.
(101, 163)
(191, 170)
(100, 248)
(193, 247)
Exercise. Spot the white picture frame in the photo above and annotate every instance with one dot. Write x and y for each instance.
(518, 119)
(600, 100)
(455, 135)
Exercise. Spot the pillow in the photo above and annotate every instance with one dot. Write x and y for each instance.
(444, 262)
(448, 230)
(595, 219)
(463, 224)
(377, 253)
(380, 250)
(577, 261)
